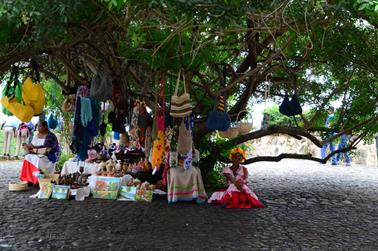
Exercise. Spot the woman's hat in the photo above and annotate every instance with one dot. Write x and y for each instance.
(92, 155)
(238, 151)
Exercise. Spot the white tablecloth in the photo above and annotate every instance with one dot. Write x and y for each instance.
(73, 167)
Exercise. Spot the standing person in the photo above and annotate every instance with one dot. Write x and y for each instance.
(9, 127)
(31, 128)
(330, 122)
(342, 144)
(238, 194)
(22, 135)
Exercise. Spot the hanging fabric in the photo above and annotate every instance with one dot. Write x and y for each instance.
(101, 84)
(120, 93)
(158, 145)
(103, 125)
(180, 105)
(185, 140)
(52, 121)
(134, 129)
(86, 111)
(81, 137)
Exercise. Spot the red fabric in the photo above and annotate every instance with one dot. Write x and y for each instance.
(160, 111)
(239, 200)
(165, 173)
(27, 172)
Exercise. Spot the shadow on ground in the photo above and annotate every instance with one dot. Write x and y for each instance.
(309, 207)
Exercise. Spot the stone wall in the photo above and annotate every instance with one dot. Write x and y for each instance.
(276, 144)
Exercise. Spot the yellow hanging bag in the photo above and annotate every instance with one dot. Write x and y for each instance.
(33, 94)
(23, 112)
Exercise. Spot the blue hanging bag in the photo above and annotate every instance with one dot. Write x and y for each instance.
(219, 118)
(52, 122)
(290, 107)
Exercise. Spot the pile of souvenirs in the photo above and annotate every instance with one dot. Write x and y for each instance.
(79, 186)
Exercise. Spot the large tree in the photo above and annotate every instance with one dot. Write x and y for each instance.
(321, 50)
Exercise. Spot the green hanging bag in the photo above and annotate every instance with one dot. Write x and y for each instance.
(12, 89)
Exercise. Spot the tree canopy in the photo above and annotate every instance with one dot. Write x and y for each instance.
(322, 50)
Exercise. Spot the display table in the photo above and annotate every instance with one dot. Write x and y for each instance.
(73, 167)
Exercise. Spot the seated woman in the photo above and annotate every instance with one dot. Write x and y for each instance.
(42, 154)
(238, 194)
(186, 184)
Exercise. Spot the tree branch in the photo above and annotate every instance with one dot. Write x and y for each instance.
(283, 156)
(270, 131)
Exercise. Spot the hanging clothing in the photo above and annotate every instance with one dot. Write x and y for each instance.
(86, 111)
(186, 185)
(232, 197)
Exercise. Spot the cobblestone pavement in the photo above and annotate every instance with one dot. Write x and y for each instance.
(309, 207)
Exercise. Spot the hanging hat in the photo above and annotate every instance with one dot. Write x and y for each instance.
(92, 155)
(69, 103)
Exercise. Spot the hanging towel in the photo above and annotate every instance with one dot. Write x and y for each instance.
(86, 111)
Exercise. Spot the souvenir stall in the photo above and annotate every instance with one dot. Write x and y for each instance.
(151, 154)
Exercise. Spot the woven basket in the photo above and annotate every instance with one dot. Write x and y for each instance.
(230, 133)
(243, 127)
(21, 186)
